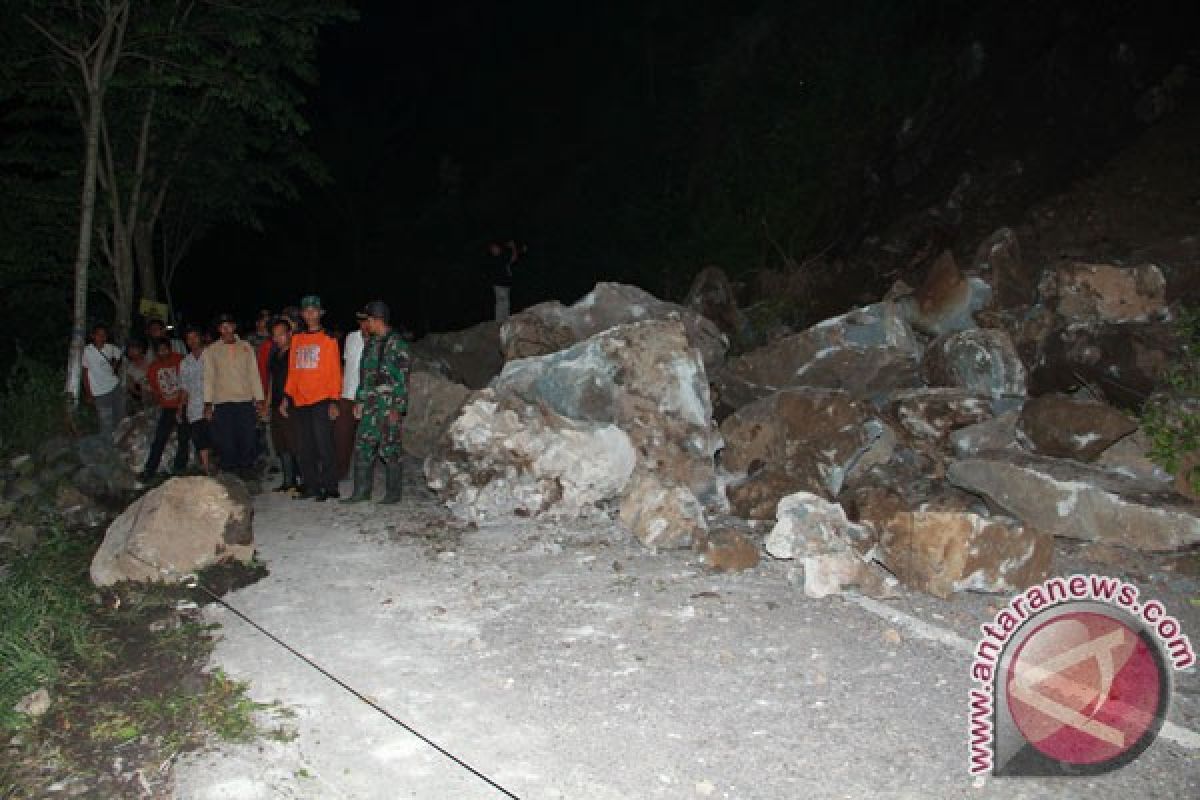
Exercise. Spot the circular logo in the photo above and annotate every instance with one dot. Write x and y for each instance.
(1088, 690)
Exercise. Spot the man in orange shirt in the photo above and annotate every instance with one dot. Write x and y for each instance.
(163, 379)
(314, 383)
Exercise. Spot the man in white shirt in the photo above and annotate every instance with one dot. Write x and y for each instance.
(102, 379)
(191, 378)
(346, 426)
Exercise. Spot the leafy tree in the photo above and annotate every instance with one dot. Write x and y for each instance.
(72, 50)
(200, 98)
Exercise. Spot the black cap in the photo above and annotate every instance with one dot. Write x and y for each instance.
(379, 310)
(225, 317)
(361, 314)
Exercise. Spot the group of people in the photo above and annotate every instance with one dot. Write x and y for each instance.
(284, 388)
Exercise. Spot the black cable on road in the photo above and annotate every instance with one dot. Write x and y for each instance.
(194, 582)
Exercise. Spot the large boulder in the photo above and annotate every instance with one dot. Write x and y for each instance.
(932, 414)
(947, 299)
(646, 379)
(184, 525)
(999, 258)
(471, 356)
(982, 360)
(550, 327)
(505, 457)
(662, 516)
(1125, 361)
(1105, 293)
(1079, 501)
(866, 351)
(998, 433)
(562, 432)
(1063, 427)
(946, 552)
(433, 403)
(712, 296)
(836, 554)
(1130, 457)
(794, 440)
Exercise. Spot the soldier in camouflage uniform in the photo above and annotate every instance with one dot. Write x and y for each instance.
(380, 406)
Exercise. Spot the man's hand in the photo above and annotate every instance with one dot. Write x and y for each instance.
(208, 411)
(283, 408)
(358, 410)
(333, 410)
(393, 417)
(260, 408)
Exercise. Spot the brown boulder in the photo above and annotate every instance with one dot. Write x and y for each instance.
(931, 414)
(1063, 427)
(433, 403)
(712, 296)
(947, 299)
(471, 357)
(1125, 362)
(795, 439)
(536, 331)
(1014, 281)
(946, 552)
(662, 516)
(982, 360)
(1105, 293)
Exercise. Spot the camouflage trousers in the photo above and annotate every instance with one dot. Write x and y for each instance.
(379, 437)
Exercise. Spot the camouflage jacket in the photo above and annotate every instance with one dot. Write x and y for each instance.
(383, 374)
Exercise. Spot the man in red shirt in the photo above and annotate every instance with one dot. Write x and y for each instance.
(163, 379)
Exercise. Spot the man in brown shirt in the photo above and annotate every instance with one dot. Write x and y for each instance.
(233, 397)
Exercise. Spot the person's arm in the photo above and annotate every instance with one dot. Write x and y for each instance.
(210, 377)
(397, 364)
(333, 386)
(264, 364)
(289, 385)
(152, 384)
(250, 362)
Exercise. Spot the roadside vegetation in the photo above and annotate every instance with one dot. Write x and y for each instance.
(1172, 416)
(124, 671)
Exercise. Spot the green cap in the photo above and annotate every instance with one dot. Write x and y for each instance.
(310, 301)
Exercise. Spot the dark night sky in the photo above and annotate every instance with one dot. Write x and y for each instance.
(608, 135)
(408, 90)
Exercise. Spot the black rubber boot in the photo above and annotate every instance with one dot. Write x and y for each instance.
(287, 464)
(364, 479)
(394, 483)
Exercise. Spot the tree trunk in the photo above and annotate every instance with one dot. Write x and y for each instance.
(143, 252)
(123, 282)
(83, 255)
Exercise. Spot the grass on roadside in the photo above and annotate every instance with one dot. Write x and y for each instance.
(125, 678)
(47, 619)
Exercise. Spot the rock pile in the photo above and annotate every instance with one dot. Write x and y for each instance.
(942, 436)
